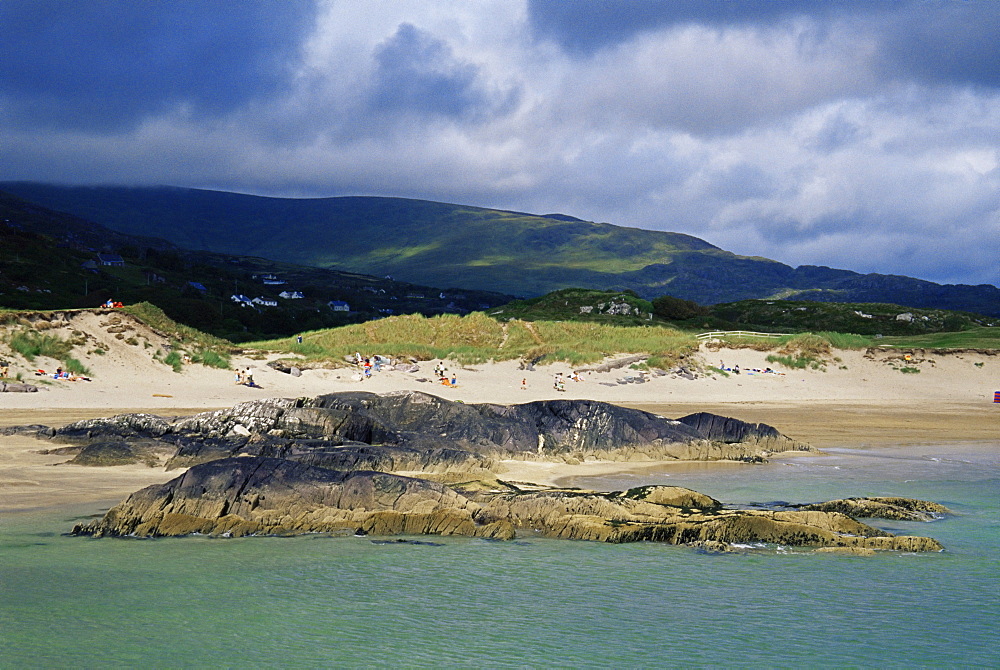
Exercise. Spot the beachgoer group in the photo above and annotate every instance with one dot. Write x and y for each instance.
(244, 376)
(367, 365)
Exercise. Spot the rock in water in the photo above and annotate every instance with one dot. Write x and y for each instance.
(251, 495)
(247, 495)
(903, 509)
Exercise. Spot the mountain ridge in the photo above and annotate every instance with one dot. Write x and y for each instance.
(442, 244)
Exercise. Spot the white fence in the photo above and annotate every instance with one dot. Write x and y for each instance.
(721, 334)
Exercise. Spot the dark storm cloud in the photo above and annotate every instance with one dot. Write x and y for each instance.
(585, 26)
(942, 42)
(417, 73)
(945, 43)
(105, 65)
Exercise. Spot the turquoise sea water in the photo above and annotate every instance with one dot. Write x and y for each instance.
(454, 602)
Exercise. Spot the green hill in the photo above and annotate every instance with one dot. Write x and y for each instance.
(442, 244)
(49, 260)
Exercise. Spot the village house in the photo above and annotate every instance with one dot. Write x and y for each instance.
(264, 302)
(241, 300)
(339, 306)
(291, 295)
(111, 260)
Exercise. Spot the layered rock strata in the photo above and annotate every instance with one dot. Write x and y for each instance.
(420, 432)
(252, 495)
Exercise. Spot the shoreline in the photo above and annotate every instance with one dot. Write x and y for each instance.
(33, 482)
(860, 401)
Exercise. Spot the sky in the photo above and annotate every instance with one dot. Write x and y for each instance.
(857, 135)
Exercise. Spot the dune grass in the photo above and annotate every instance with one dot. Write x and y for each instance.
(477, 338)
(204, 348)
(75, 367)
(31, 344)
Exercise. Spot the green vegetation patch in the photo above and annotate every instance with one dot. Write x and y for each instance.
(32, 344)
(974, 338)
(624, 308)
(477, 338)
(864, 319)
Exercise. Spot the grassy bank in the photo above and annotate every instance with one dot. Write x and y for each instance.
(477, 338)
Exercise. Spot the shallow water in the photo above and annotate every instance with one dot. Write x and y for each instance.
(321, 601)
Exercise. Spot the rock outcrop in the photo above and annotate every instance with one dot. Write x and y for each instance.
(421, 432)
(249, 495)
(258, 495)
(332, 464)
(904, 509)
(16, 387)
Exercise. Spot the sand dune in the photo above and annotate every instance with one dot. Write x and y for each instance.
(127, 376)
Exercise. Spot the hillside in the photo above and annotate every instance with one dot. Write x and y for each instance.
(791, 316)
(442, 244)
(49, 260)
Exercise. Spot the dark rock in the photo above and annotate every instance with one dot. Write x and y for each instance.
(11, 387)
(728, 430)
(247, 495)
(105, 454)
(121, 425)
(420, 432)
(250, 495)
(32, 430)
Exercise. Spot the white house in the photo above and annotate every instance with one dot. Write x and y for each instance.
(264, 302)
(241, 300)
(112, 260)
(291, 295)
(339, 306)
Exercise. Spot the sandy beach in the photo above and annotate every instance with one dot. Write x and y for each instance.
(859, 400)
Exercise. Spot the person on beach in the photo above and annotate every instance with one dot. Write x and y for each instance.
(524, 384)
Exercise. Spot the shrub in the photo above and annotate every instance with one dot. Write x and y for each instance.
(31, 344)
(799, 362)
(677, 309)
(212, 359)
(173, 359)
(846, 340)
(75, 367)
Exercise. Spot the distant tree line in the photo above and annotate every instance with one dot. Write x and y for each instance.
(677, 309)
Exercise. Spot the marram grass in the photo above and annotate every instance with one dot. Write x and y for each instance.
(477, 338)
